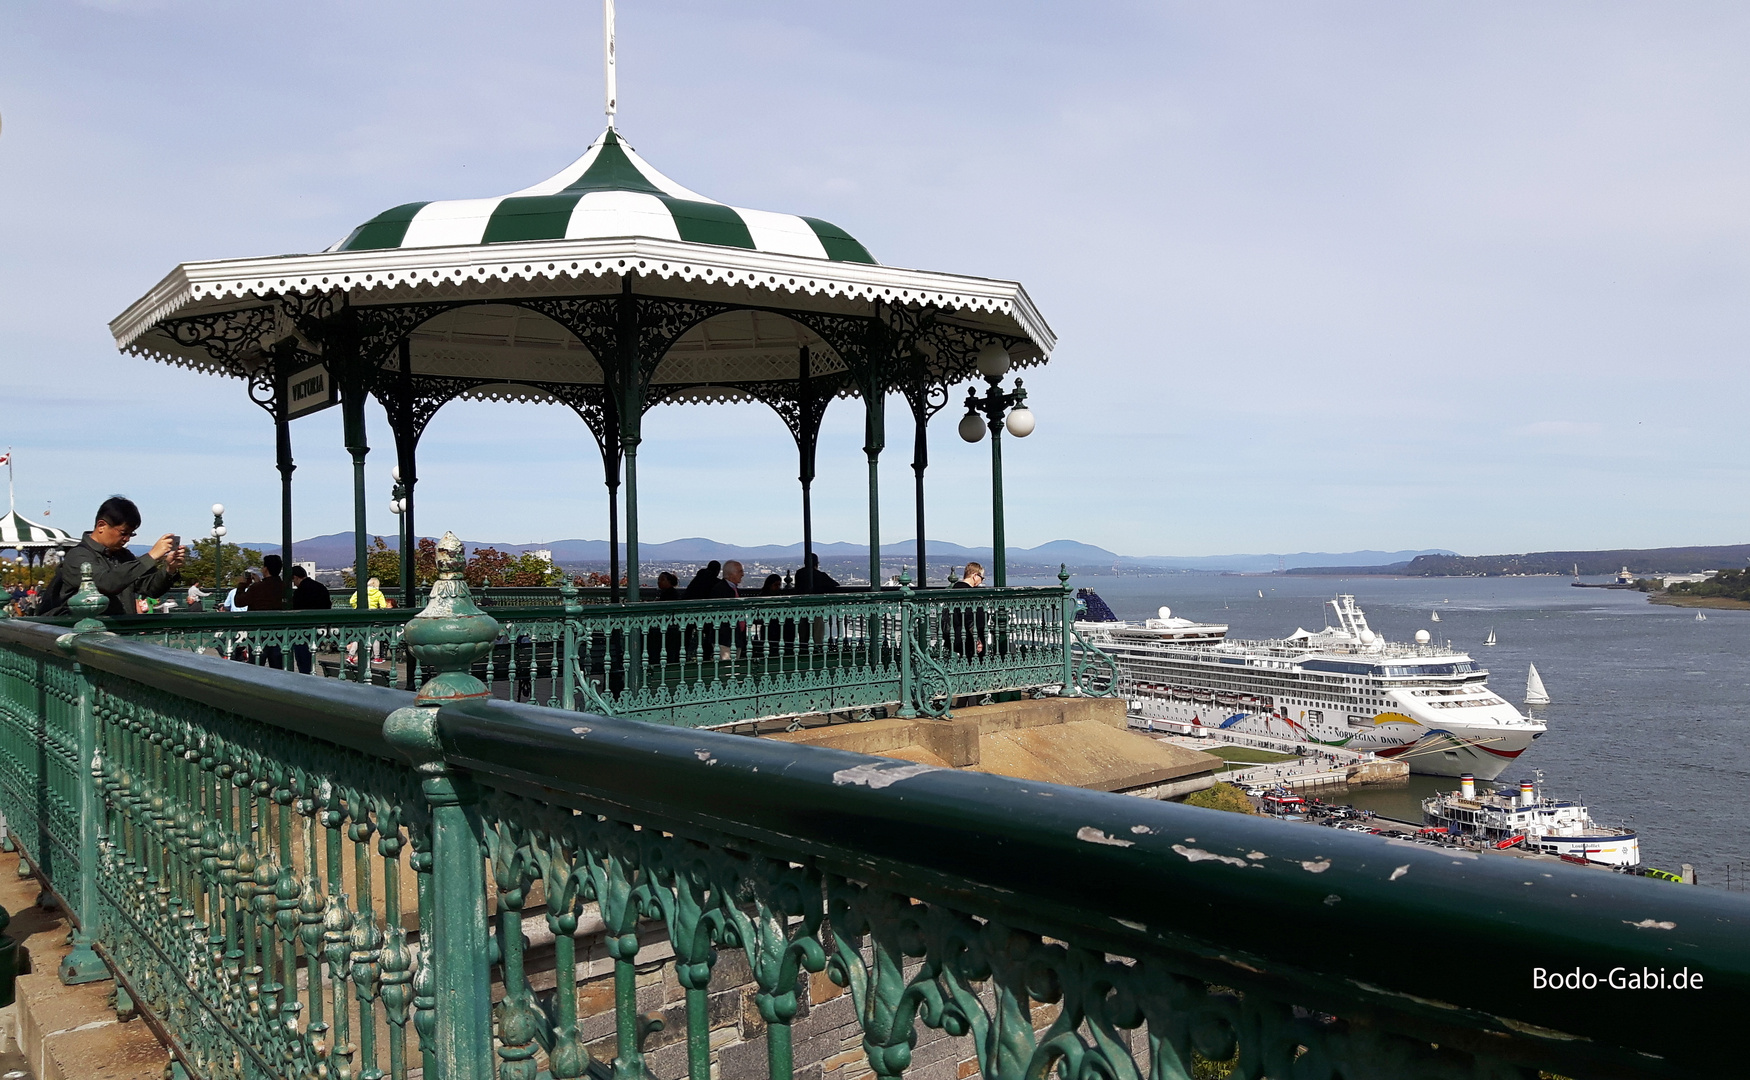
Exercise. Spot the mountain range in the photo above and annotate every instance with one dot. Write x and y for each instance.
(1642, 562)
(336, 550)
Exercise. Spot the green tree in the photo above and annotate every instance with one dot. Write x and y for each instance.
(198, 568)
(489, 567)
(381, 562)
(1727, 584)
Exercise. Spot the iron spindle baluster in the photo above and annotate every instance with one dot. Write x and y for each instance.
(567, 1058)
(395, 962)
(424, 984)
(337, 951)
(366, 940)
(310, 911)
(517, 1019)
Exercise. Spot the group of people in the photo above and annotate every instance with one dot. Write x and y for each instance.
(963, 627)
(722, 581)
(24, 598)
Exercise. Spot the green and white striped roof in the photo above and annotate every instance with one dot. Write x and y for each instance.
(608, 192)
(19, 532)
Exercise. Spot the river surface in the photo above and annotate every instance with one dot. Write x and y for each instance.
(1650, 720)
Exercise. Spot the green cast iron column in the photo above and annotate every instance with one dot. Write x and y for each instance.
(806, 434)
(874, 441)
(611, 455)
(352, 408)
(447, 637)
(631, 401)
(1000, 551)
(83, 965)
(920, 460)
(282, 440)
(406, 453)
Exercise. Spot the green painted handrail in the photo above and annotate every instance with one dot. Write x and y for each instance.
(254, 826)
(791, 654)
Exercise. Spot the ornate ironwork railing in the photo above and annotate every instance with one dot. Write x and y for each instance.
(698, 663)
(292, 874)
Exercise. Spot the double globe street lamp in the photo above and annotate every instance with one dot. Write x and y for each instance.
(219, 551)
(400, 502)
(996, 410)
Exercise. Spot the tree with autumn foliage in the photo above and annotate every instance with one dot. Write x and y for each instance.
(491, 568)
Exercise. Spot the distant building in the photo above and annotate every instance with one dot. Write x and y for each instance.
(543, 554)
(1686, 579)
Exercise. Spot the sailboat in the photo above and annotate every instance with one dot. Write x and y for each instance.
(1490, 640)
(1701, 616)
(1435, 615)
(1535, 694)
(1260, 594)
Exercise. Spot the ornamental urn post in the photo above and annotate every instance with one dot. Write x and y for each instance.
(447, 637)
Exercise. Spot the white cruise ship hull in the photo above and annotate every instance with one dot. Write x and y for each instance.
(1453, 748)
(1343, 686)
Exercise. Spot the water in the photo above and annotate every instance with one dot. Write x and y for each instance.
(1650, 724)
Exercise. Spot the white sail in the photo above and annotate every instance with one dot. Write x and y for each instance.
(1260, 594)
(1701, 616)
(1490, 640)
(1535, 694)
(1435, 615)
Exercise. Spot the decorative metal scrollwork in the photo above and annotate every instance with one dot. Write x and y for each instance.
(931, 686)
(1095, 671)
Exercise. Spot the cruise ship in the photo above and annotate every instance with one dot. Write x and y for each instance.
(1342, 686)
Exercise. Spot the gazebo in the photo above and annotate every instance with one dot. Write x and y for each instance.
(608, 288)
(31, 540)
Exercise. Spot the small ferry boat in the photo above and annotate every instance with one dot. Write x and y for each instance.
(1531, 820)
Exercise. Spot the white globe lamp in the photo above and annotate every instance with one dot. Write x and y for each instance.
(1021, 422)
(993, 361)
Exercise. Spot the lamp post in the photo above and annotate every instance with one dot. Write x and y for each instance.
(219, 552)
(398, 505)
(995, 410)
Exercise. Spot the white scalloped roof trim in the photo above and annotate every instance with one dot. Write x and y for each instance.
(364, 274)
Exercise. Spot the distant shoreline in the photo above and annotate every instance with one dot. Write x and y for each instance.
(1699, 601)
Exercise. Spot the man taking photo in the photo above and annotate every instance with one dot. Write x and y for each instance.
(115, 571)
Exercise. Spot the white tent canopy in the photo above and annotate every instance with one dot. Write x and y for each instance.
(22, 534)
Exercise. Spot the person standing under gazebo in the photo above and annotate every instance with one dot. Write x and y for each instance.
(116, 572)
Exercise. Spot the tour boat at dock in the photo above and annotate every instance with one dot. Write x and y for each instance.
(1531, 820)
(1342, 686)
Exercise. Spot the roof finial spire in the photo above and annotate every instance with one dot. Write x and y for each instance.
(608, 56)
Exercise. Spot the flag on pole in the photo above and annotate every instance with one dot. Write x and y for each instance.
(6, 458)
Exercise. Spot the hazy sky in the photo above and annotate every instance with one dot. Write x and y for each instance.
(1325, 275)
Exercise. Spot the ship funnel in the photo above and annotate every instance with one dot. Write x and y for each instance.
(1467, 786)
(1527, 793)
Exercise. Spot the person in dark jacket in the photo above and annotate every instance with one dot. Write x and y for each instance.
(774, 628)
(666, 640)
(116, 572)
(308, 594)
(965, 629)
(812, 579)
(268, 594)
(706, 585)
